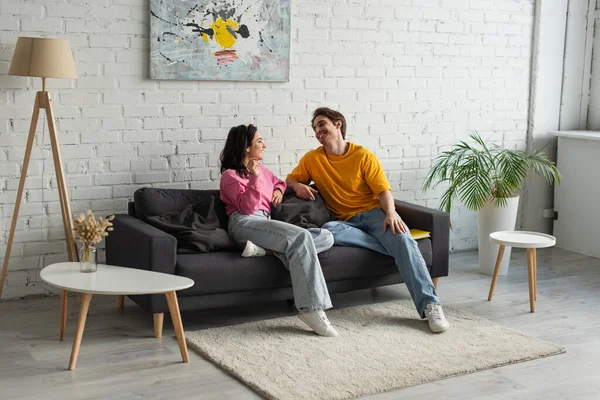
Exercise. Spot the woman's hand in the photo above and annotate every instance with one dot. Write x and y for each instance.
(253, 167)
(277, 197)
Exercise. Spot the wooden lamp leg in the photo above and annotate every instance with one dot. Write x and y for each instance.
(65, 205)
(63, 313)
(61, 182)
(13, 225)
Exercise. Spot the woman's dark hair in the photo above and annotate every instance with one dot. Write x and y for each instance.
(238, 140)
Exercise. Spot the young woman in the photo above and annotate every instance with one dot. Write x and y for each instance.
(247, 189)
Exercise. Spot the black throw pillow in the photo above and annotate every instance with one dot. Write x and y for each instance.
(196, 228)
(304, 213)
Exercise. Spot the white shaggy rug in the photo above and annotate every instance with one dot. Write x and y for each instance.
(380, 347)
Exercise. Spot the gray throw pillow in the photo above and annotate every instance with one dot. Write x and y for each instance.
(304, 213)
(196, 228)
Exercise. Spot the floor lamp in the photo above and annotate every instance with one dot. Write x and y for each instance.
(44, 58)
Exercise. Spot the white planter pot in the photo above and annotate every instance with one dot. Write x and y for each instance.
(492, 219)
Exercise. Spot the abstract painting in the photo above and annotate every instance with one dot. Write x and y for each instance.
(231, 40)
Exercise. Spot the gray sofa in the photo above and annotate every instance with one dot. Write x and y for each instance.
(225, 278)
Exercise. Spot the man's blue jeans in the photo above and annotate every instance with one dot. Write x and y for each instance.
(366, 230)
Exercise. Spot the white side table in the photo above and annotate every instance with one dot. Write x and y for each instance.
(523, 239)
(118, 281)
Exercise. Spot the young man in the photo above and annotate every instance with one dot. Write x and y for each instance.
(354, 187)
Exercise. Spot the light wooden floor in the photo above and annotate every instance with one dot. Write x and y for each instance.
(120, 358)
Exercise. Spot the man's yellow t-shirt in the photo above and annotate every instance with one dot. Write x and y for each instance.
(349, 183)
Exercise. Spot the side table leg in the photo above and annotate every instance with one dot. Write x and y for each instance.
(530, 267)
(64, 295)
(496, 271)
(177, 325)
(534, 274)
(83, 310)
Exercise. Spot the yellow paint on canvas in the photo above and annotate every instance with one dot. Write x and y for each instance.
(222, 35)
(204, 37)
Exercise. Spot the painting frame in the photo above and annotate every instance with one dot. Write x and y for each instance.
(220, 40)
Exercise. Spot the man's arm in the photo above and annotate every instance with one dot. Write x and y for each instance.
(303, 191)
(292, 184)
(378, 183)
(392, 219)
(298, 179)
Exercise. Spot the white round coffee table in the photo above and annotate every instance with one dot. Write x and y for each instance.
(120, 281)
(523, 239)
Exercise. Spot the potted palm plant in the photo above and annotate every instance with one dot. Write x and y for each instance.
(487, 179)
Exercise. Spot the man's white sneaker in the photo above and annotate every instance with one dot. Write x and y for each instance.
(318, 322)
(437, 320)
(252, 250)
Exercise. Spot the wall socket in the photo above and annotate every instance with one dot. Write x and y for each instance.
(549, 213)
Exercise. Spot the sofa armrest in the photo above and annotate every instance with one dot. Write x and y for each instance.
(136, 244)
(434, 221)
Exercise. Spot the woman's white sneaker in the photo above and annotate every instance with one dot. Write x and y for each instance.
(318, 322)
(437, 320)
(252, 250)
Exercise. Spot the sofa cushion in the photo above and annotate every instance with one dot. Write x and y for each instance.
(196, 228)
(230, 272)
(156, 201)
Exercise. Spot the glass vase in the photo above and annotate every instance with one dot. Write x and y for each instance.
(88, 259)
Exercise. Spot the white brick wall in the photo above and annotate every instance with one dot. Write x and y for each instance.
(593, 122)
(411, 77)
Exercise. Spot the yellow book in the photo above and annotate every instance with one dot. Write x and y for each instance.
(419, 234)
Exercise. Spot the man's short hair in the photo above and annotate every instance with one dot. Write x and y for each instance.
(332, 115)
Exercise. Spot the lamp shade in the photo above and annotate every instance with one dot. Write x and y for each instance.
(45, 58)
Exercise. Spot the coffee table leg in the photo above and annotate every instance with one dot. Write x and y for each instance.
(83, 310)
(63, 313)
(177, 325)
(530, 270)
(158, 324)
(496, 271)
(120, 301)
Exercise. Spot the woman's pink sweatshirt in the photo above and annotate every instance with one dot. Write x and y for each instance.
(248, 195)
